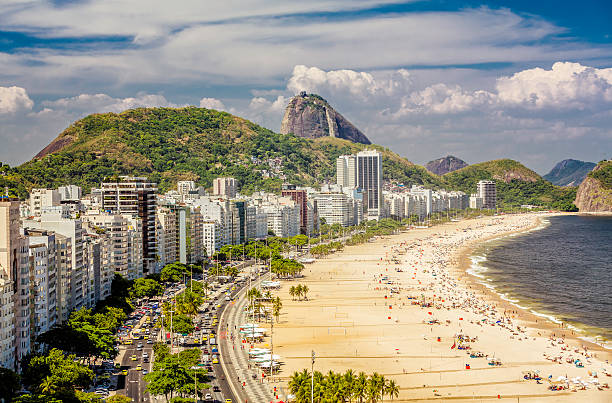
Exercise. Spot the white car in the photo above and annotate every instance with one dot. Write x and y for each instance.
(208, 398)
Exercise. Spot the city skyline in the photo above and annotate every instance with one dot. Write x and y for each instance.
(479, 80)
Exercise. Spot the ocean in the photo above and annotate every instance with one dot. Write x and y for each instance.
(561, 271)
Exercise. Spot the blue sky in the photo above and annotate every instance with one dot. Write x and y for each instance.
(480, 80)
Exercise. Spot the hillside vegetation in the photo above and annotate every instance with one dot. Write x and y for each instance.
(167, 144)
(516, 184)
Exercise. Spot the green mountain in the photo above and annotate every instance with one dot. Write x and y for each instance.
(167, 144)
(516, 184)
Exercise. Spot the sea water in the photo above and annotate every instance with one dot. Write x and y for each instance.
(561, 272)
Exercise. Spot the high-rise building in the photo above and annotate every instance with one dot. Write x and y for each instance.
(43, 275)
(301, 198)
(135, 196)
(346, 171)
(487, 191)
(14, 270)
(225, 187)
(370, 180)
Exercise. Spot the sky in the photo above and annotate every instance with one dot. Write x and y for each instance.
(481, 80)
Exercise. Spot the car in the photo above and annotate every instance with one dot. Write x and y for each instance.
(128, 341)
(144, 372)
(139, 367)
(134, 358)
(145, 355)
(228, 400)
(216, 389)
(139, 348)
(149, 341)
(146, 359)
(208, 397)
(124, 372)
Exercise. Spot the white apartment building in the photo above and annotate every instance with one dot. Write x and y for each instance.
(71, 228)
(334, 208)
(70, 193)
(42, 198)
(7, 323)
(43, 276)
(212, 235)
(476, 202)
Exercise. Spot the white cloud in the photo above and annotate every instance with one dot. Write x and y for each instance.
(443, 99)
(100, 103)
(565, 85)
(359, 84)
(14, 99)
(212, 103)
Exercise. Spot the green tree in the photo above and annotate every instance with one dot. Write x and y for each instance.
(277, 305)
(144, 287)
(56, 376)
(174, 272)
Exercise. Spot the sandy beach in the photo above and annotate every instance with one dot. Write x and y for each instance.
(368, 312)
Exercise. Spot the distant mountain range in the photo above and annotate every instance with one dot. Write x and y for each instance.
(171, 144)
(445, 165)
(569, 172)
(311, 116)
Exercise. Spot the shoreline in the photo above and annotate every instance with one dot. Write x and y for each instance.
(532, 321)
(395, 306)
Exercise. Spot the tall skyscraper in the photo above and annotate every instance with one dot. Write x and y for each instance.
(346, 171)
(136, 196)
(487, 191)
(370, 180)
(301, 198)
(225, 187)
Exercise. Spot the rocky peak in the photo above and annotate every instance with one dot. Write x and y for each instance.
(445, 165)
(595, 192)
(569, 172)
(311, 116)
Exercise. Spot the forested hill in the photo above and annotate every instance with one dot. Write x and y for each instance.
(516, 184)
(167, 144)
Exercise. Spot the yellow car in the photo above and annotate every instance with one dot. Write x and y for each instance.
(214, 316)
(218, 305)
(128, 341)
(124, 372)
(215, 361)
(134, 358)
(204, 338)
(228, 400)
(139, 367)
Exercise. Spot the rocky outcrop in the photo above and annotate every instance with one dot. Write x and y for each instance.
(310, 116)
(569, 172)
(594, 194)
(445, 165)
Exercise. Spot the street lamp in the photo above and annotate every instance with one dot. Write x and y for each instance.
(195, 381)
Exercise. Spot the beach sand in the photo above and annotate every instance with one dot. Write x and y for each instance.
(353, 321)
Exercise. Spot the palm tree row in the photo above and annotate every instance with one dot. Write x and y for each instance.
(299, 291)
(337, 387)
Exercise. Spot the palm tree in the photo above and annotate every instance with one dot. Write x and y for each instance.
(298, 291)
(348, 380)
(392, 389)
(305, 291)
(48, 386)
(360, 386)
(292, 292)
(276, 307)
